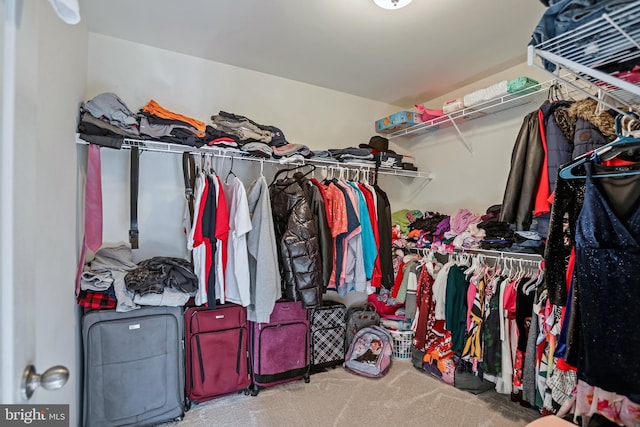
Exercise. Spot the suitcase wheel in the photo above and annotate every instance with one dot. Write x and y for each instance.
(307, 379)
(247, 391)
(187, 403)
(255, 390)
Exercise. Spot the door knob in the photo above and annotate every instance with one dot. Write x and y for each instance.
(52, 379)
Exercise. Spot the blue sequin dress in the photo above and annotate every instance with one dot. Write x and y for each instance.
(608, 284)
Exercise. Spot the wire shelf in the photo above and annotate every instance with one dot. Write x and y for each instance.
(165, 147)
(592, 53)
(537, 93)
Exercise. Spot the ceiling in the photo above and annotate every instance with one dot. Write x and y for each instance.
(401, 57)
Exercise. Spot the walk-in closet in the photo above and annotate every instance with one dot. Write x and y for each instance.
(320, 213)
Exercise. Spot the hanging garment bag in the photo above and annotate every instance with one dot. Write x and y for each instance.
(216, 343)
(134, 366)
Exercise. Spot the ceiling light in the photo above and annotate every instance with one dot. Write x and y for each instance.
(392, 4)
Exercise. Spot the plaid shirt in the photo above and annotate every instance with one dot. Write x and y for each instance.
(154, 274)
(96, 300)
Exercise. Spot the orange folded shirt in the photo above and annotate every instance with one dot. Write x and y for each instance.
(157, 110)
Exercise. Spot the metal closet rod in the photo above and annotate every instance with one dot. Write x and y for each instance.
(489, 253)
(165, 147)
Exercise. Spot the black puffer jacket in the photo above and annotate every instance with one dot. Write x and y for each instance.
(297, 239)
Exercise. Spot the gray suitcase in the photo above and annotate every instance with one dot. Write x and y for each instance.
(133, 367)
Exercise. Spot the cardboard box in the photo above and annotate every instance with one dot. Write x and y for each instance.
(397, 121)
(452, 106)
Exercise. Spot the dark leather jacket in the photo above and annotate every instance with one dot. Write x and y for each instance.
(297, 239)
(526, 165)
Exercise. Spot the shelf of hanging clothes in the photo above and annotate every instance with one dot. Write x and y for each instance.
(598, 54)
(166, 147)
(534, 94)
(487, 253)
(510, 263)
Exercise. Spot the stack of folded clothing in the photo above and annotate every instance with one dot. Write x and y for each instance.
(529, 242)
(498, 234)
(235, 131)
(258, 149)
(106, 120)
(240, 127)
(352, 155)
(289, 150)
(165, 125)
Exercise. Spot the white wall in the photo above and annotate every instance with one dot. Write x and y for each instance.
(317, 117)
(307, 114)
(50, 79)
(61, 77)
(473, 180)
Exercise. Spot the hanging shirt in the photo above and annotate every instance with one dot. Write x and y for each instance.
(440, 290)
(353, 276)
(237, 277)
(197, 242)
(263, 254)
(369, 248)
(473, 342)
(325, 240)
(384, 227)
(222, 237)
(456, 307)
(209, 232)
(369, 194)
(339, 228)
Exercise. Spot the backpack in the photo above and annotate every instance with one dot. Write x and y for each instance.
(369, 354)
(357, 318)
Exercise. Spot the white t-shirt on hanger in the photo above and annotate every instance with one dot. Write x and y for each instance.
(238, 284)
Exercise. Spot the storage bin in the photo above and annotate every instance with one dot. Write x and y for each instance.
(482, 95)
(522, 85)
(397, 121)
(452, 106)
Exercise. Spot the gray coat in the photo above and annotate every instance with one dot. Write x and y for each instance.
(263, 254)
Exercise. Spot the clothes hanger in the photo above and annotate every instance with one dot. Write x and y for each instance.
(621, 143)
(231, 172)
(537, 280)
(296, 168)
(625, 130)
(197, 160)
(208, 165)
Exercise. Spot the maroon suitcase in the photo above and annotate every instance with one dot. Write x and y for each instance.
(281, 349)
(217, 358)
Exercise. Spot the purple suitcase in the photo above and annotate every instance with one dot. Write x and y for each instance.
(281, 349)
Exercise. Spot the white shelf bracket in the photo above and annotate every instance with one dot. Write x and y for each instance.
(462, 138)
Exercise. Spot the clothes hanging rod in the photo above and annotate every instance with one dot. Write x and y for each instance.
(490, 253)
(165, 147)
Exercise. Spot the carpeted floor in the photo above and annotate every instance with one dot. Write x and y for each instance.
(404, 397)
